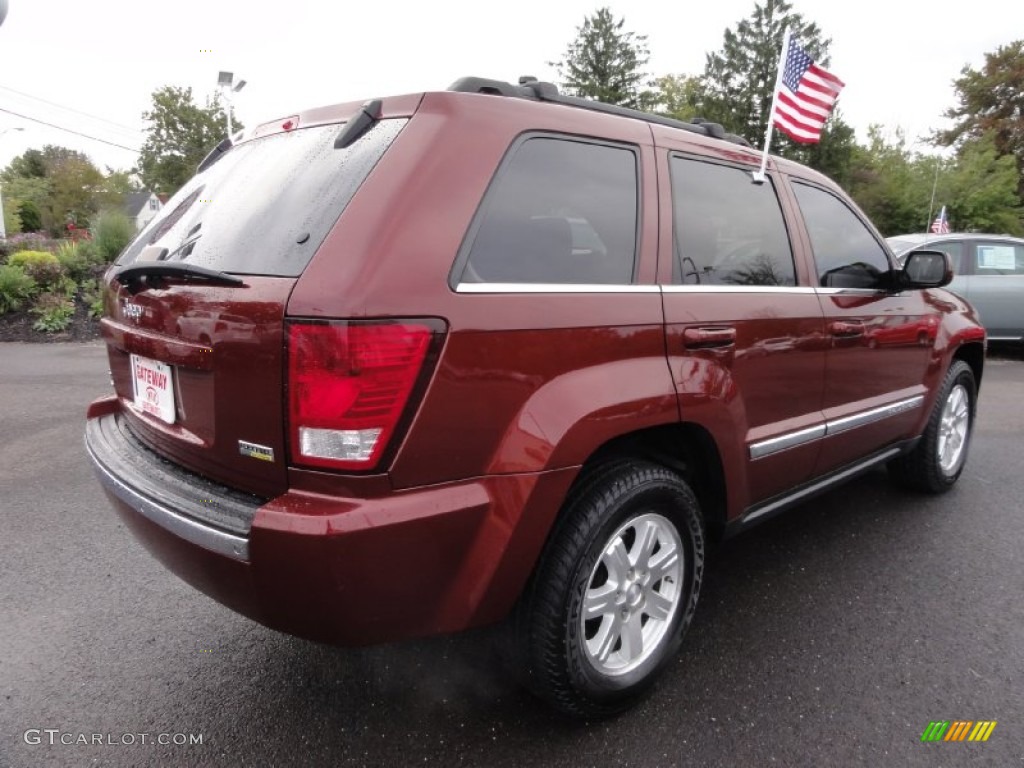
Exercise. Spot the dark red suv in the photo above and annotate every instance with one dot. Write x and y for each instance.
(445, 359)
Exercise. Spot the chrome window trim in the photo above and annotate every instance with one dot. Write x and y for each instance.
(852, 291)
(737, 289)
(846, 423)
(764, 448)
(209, 538)
(612, 288)
(553, 288)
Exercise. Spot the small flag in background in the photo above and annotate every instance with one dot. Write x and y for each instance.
(941, 224)
(805, 97)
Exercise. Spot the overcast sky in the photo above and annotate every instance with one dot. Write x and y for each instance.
(105, 57)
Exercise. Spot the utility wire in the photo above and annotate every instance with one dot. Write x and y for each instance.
(70, 109)
(68, 130)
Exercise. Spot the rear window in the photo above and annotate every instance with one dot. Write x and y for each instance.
(266, 206)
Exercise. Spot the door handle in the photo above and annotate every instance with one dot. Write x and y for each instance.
(704, 338)
(846, 328)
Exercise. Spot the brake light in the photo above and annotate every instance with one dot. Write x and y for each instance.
(348, 385)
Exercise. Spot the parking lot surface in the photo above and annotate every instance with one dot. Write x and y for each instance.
(831, 635)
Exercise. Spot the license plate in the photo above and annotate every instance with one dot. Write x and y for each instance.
(154, 387)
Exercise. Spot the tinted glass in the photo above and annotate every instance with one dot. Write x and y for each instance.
(845, 252)
(998, 259)
(728, 230)
(952, 248)
(560, 211)
(266, 205)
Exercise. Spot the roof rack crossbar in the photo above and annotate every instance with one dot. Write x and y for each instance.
(536, 90)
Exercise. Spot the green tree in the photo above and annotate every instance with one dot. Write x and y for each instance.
(982, 188)
(607, 63)
(51, 187)
(739, 80)
(681, 96)
(891, 184)
(31, 164)
(74, 186)
(990, 101)
(179, 135)
(24, 197)
(834, 154)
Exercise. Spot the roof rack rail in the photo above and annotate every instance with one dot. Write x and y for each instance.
(537, 90)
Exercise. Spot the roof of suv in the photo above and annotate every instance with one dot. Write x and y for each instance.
(529, 89)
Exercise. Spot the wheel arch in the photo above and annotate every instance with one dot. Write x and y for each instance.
(972, 353)
(686, 448)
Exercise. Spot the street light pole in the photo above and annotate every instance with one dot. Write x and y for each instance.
(225, 80)
(3, 226)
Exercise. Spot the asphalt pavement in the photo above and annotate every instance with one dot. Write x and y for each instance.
(830, 636)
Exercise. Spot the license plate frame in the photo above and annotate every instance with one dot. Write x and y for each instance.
(153, 388)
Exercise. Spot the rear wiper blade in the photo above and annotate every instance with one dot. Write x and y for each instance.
(360, 123)
(177, 269)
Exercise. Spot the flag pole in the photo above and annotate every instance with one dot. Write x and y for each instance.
(759, 177)
(931, 205)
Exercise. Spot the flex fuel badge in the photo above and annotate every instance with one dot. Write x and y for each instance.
(254, 451)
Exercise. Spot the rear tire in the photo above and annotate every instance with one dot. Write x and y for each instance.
(614, 590)
(938, 459)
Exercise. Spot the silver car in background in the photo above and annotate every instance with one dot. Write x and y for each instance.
(989, 273)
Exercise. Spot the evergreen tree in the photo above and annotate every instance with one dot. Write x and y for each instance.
(991, 102)
(606, 63)
(739, 80)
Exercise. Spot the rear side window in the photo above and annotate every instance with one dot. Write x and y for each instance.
(845, 252)
(998, 259)
(559, 211)
(266, 206)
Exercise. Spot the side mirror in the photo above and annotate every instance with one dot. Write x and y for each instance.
(926, 269)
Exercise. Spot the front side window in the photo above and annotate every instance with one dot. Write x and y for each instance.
(560, 211)
(846, 253)
(998, 259)
(728, 230)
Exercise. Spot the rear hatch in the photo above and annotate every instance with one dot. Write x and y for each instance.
(195, 326)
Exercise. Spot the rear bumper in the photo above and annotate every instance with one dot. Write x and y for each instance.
(340, 570)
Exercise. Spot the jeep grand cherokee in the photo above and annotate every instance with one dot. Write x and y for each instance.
(442, 360)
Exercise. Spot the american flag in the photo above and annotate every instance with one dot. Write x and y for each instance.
(941, 224)
(805, 98)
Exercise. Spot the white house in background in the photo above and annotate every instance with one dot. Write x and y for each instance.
(142, 207)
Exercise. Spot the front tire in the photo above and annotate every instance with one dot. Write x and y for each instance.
(938, 459)
(614, 591)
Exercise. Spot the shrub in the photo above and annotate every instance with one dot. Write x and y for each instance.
(88, 251)
(74, 258)
(111, 232)
(15, 288)
(44, 268)
(54, 312)
(92, 295)
(31, 241)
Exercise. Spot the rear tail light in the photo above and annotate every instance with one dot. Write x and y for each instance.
(348, 386)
